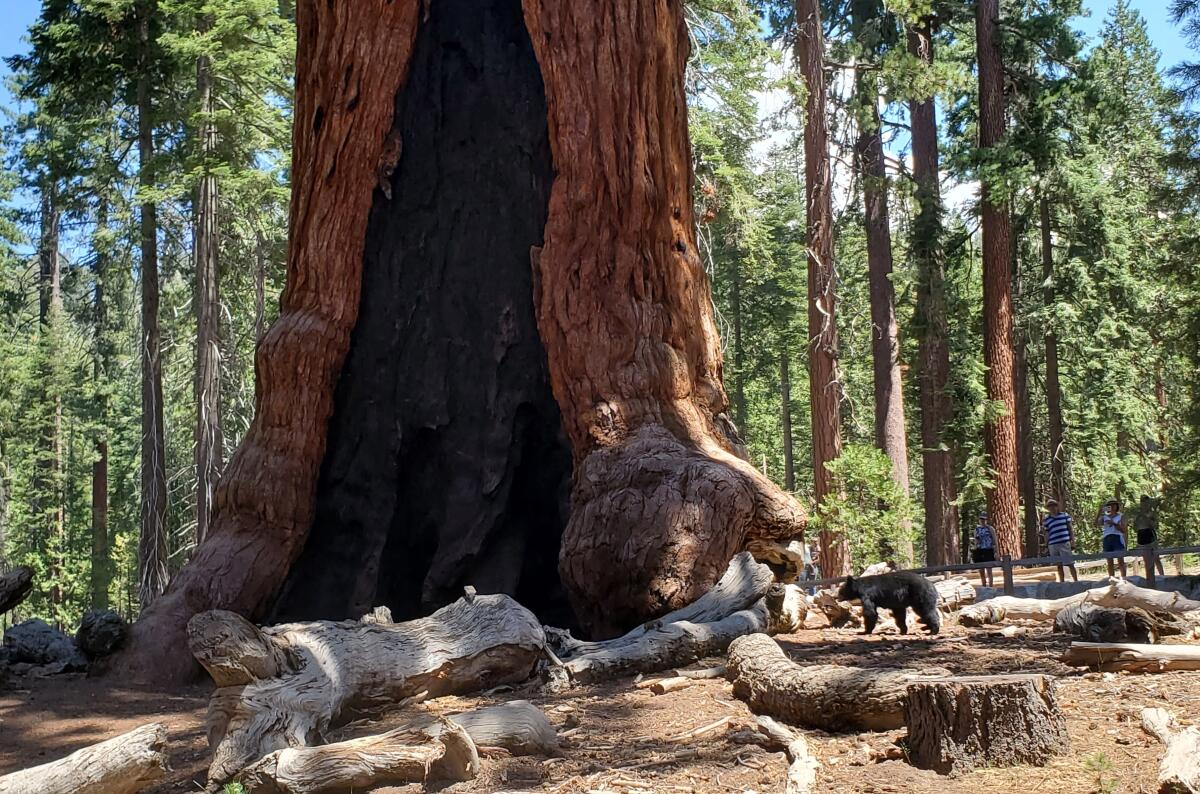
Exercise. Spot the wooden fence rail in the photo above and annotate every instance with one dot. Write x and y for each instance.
(1150, 556)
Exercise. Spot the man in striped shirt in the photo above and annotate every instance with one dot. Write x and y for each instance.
(1060, 538)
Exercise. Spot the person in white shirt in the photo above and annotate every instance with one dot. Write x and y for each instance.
(1113, 532)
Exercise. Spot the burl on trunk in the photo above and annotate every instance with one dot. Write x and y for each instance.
(495, 309)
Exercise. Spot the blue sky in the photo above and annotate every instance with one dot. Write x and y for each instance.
(19, 14)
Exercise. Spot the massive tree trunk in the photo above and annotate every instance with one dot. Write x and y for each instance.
(890, 430)
(206, 242)
(937, 409)
(152, 543)
(417, 395)
(1058, 478)
(1000, 429)
(824, 385)
(102, 356)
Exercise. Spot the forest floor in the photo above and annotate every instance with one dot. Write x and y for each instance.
(620, 739)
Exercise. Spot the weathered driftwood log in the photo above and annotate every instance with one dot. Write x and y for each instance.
(121, 765)
(954, 593)
(1117, 593)
(802, 767)
(1093, 623)
(439, 752)
(1179, 770)
(736, 606)
(957, 724)
(517, 726)
(15, 587)
(830, 697)
(284, 686)
(1132, 657)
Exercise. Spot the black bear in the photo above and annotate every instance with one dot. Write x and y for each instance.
(897, 592)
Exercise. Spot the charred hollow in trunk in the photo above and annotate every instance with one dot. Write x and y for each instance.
(446, 462)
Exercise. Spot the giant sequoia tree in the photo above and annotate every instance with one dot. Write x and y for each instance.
(495, 362)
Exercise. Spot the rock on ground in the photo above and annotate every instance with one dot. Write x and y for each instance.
(37, 643)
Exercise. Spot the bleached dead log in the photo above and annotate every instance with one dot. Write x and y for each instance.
(1111, 656)
(15, 587)
(284, 686)
(121, 765)
(1179, 770)
(802, 767)
(736, 606)
(787, 606)
(955, 593)
(661, 686)
(786, 557)
(707, 672)
(957, 724)
(1117, 593)
(441, 752)
(829, 697)
(1093, 623)
(517, 726)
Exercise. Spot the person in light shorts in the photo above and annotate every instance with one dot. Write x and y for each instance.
(1060, 535)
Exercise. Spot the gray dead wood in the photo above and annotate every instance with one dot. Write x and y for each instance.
(122, 765)
(1092, 623)
(737, 605)
(829, 697)
(954, 593)
(15, 587)
(429, 754)
(1112, 656)
(1179, 770)
(1117, 593)
(517, 726)
(802, 767)
(957, 724)
(285, 686)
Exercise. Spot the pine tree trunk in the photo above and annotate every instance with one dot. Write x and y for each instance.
(937, 409)
(209, 437)
(50, 491)
(419, 464)
(824, 383)
(1000, 430)
(785, 400)
(260, 286)
(1025, 468)
(890, 429)
(739, 351)
(152, 545)
(101, 572)
(1058, 478)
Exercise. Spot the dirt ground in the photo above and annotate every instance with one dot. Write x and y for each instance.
(622, 739)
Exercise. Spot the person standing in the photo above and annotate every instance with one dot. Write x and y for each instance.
(1060, 536)
(1145, 524)
(985, 548)
(1113, 533)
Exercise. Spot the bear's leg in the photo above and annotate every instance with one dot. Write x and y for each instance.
(931, 618)
(901, 616)
(870, 616)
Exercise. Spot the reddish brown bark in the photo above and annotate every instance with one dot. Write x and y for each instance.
(350, 64)
(785, 400)
(661, 499)
(824, 385)
(1025, 479)
(890, 430)
(937, 408)
(1000, 430)
(1058, 477)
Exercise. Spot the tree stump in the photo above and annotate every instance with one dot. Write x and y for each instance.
(958, 724)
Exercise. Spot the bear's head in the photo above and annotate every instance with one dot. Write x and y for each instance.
(849, 590)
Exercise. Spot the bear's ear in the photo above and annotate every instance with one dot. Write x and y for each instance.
(849, 580)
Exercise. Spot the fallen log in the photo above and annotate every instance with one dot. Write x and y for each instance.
(1093, 623)
(122, 765)
(1113, 656)
(802, 767)
(1117, 593)
(15, 587)
(829, 697)
(958, 724)
(736, 606)
(954, 593)
(517, 726)
(440, 752)
(285, 686)
(1179, 770)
